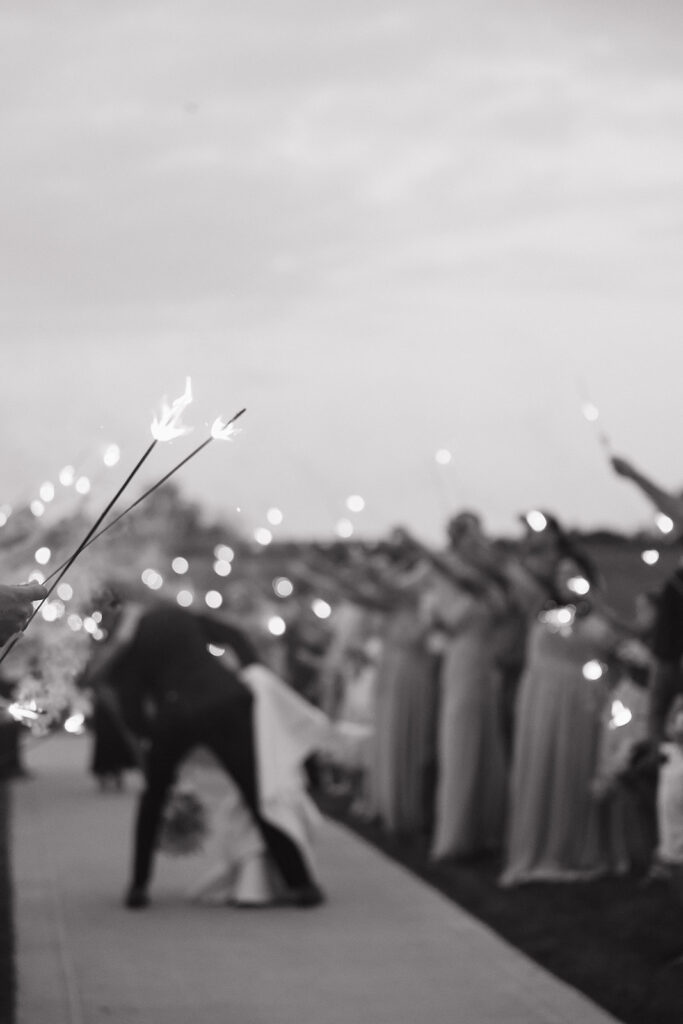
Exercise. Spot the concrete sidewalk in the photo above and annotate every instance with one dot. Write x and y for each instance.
(385, 949)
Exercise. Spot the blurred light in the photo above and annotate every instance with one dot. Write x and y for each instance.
(650, 556)
(5, 513)
(590, 412)
(180, 565)
(74, 622)
(67, 476)
(65, 591)
(593, 669)
(664, 523)
(262, 536)
(355, 503)
(536, 520)
(48, 611)
(82, 485)
(223, 553)
(59, 609)
(75, 723)
(321, 608)
(152, 579)
(443, 456)
(42, 556)
(222, 567)
(47, 491)
(36, 576)
(98, 634)
(89, 624)
(344, 528)
(283, 587)
(185, 598)
(620, 715)
(578, 585)
(213, 599)
(37, 507)
(274, 516)
(111, 455)
(216, 651)
(277, 625)
(96, 616)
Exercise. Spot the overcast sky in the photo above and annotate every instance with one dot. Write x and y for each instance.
(385, 228)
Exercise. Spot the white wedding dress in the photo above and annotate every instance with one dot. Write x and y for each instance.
(287, 730)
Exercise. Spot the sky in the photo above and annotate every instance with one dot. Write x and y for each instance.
(385, 229)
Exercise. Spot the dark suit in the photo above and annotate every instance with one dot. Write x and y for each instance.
(195, 700)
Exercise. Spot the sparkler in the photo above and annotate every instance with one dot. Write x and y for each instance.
(220, 430)
(164, 428)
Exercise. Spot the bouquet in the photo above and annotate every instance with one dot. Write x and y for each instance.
(185, 823)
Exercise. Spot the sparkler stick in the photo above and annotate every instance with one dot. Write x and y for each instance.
(163, 429)
(221, 434)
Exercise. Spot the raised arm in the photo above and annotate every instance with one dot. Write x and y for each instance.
(668, 503)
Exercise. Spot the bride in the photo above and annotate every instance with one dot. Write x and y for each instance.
(287, 730)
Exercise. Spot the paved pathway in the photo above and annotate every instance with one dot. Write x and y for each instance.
(385, 949)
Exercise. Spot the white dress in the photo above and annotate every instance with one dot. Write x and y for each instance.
(287, 730)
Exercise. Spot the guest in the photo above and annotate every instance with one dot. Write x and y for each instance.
(530, 575)
(670, 802)
(114, 748)
(625, 792)
(471, 599)
(554, 824)
(404, 691)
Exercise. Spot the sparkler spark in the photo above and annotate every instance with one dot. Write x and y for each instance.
(167, 426)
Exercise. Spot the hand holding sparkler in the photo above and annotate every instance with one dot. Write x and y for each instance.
(669, 504)
(16, 607)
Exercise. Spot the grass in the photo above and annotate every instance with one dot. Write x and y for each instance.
(613, 939)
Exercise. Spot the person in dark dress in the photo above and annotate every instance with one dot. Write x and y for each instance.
(174, 692)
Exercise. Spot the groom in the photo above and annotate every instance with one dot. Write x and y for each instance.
(173, 691)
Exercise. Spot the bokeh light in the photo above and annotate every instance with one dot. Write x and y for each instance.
(277, 625)
(321, 608)
(344, 528)
(111, 455)
(274, 516)
(283, 586)
(180, 565)
(213, 599)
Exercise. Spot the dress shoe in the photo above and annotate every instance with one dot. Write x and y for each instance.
(307, 896)
(136, 898)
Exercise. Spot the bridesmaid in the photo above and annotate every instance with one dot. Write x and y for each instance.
(471, 600)
(554, 829)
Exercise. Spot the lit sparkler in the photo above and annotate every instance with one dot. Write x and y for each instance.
(164, 428)
(224, 431)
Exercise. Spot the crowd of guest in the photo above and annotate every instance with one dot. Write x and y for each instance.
(487, 698)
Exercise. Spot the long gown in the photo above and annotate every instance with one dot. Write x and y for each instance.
(554, 827)
(404, 700)
(471, 768)
(287, 730)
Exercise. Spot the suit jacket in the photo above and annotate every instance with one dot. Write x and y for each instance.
(167, 663)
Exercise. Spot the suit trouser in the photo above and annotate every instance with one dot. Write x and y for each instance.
(230, 738)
